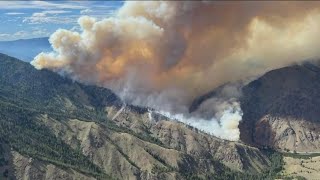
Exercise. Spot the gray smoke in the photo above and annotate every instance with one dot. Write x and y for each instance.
(164, 54)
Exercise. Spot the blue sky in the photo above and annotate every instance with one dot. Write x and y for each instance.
(31, 19)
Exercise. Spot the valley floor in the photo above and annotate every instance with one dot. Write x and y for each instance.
(308, 167)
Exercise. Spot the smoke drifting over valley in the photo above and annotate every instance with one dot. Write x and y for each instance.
(165, 54)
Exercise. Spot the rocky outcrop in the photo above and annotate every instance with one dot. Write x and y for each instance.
(133, 146)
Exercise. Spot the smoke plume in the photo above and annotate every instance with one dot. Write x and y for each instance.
(165, 54)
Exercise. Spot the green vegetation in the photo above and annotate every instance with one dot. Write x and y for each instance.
(123, 154)
(26, 93)
(301, 156)
(143, 136)
(19, 130)
(223, 172)
(160, 168)
(3, 161)
(44, 91)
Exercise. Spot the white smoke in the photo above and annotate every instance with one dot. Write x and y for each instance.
(223, 125)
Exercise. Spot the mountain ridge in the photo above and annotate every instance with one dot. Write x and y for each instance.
(279, 108)
(285, 114)
(68, 125)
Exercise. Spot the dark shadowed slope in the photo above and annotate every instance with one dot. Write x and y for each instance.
(281, 109)
(26, 86)
(26, 93)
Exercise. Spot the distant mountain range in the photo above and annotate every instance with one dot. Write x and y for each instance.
(25, 49)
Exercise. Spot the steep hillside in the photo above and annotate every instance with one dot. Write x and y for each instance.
(54, 128)
(281, 109)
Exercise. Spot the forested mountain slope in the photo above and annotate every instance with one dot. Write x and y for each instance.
(54, 128)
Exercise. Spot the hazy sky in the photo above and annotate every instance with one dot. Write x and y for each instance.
(30, 19)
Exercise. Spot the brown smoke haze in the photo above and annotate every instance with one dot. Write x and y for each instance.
(165, 54)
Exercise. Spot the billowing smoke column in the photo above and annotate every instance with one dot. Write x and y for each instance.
(165, 54)
(223, 124)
